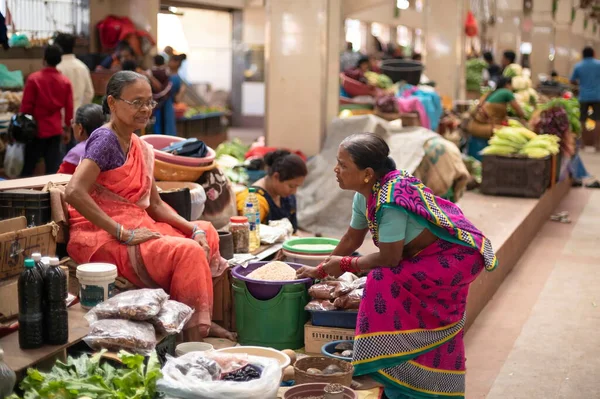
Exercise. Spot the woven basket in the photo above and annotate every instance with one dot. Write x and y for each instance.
(170, 172)
(302, 377)
(517, 176)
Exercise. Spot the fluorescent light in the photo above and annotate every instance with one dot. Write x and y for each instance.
(173, 10)
(402, 4)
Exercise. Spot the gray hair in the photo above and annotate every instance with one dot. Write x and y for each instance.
(117, 83)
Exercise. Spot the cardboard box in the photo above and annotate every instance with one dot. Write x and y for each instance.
(316, 337)
(9, 298)
(17, 242)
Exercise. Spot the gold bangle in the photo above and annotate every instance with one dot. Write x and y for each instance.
(121, 233)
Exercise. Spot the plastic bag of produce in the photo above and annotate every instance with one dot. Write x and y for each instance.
(114, 335)
(172, 318)
(138, 305)
(350, 301)
(359, 283)
(177, 383)
(329, 289)
(320, 304)
(14, 160)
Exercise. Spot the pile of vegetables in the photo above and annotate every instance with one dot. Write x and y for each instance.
(387, 104)
(194, 111)
(89, 378)
(571, 107)
(475, 68)
(379, 80)
(234, 148)
(513, 70)
(516, 139)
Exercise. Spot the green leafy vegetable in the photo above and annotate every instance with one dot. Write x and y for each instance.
(475, 68)
(87, 377)
(571, 106)
(234, 148)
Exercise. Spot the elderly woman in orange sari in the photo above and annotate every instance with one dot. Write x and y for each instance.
(117, 216)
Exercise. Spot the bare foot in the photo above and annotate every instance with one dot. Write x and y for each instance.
(217, 331)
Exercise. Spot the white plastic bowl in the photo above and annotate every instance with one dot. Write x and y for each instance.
(283, 359)
(188, 347)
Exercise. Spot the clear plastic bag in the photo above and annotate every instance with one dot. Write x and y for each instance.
(350, 301)
(114, 335)
(14, 159)
(174, 384)
(172, 317)
(137, 305)
(320, 304)
(329, 290)
(359, 283)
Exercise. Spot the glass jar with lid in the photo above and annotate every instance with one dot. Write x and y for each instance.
(240, 232)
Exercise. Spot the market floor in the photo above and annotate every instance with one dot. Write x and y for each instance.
(539, 338)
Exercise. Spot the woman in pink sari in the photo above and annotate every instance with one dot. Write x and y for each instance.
(117, 216)
(409, 334)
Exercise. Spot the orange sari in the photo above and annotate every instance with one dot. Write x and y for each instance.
(173, 262)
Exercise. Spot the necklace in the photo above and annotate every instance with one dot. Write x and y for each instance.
(124, 144)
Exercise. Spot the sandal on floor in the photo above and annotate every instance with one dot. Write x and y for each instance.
(595, 184)
(576, 183)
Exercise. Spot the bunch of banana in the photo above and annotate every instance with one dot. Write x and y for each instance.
(541, 146)
(509, 140)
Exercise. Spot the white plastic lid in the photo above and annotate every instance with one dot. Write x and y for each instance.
(36, 256)
(54, 262)
(46, 260)
(96, 270)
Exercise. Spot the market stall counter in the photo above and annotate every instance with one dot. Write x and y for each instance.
(20, 360)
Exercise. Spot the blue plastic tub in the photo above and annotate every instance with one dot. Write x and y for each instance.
(329, 350)
(334, 318)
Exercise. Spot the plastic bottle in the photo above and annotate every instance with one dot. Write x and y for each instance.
(7, 378)
(56, 319)
(31, 323)
(39, 266)
(253, 198)
(254, 235)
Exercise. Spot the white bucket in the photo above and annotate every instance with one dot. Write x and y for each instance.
(303, 259)
(96, 283)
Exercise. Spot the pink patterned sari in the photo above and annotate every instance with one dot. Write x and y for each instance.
(409, 334)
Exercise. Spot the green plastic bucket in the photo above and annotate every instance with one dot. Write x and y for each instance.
(276, 323)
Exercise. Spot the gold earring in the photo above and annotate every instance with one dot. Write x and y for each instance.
(366, 179)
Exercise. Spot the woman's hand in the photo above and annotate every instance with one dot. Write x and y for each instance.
(307, 272)
(140, 236)
(331, 265)
(200, 238)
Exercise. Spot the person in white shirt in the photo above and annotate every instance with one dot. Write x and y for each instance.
(75, 70)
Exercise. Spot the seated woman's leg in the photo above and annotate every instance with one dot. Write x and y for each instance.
(180, 267)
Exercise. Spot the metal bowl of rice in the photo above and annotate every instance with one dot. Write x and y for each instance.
(265, 279)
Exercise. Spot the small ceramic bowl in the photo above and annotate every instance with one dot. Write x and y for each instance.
(188, 347)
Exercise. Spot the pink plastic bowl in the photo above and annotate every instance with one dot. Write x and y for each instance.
(161, 141)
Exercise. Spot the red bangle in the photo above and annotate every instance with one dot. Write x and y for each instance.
(321, 272)
(349, 264)
(356, 268)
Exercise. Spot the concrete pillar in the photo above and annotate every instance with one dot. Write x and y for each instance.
(542, 39)
(562, 38)
(302, 74)
(444, 45)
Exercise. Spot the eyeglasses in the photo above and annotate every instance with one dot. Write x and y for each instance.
(138, 104)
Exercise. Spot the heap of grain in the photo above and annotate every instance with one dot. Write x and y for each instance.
(274, 271)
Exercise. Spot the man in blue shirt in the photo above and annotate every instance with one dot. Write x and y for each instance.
(587, 74)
